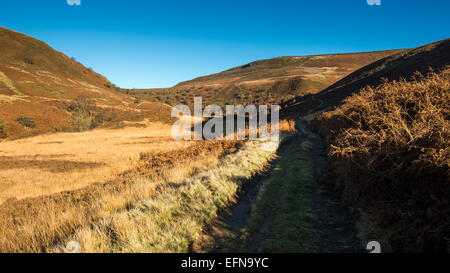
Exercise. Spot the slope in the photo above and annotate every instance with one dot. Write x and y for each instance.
(265, 81)
(39, 84)
(435, 56)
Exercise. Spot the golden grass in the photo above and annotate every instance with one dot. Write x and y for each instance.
(36, 224)
(55, 187)
(172, 216)
(49, 164)
(287, 126)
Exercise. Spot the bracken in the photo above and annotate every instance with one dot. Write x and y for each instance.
(390, 156)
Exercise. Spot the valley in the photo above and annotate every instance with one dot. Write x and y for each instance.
(364, 154)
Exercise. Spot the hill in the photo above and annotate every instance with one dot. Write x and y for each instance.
(30, 67)
(40, 84)
(400, 65)
(390, 158)
(387, 135)
(266, 81)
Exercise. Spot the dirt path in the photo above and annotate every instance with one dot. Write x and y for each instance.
(336, 226)
(223, 234)
(329, 229)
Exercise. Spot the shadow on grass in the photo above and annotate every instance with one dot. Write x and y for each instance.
(52, 165)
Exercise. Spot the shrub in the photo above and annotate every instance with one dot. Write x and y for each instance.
(101, 117)
(3, 130)
(82, 109)
(390, 156)
(28, 61)
(26, 121)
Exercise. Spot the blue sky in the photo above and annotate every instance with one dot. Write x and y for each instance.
(145, 43)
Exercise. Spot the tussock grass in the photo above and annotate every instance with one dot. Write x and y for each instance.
(171, 217)
(36, 224)
(49, 164)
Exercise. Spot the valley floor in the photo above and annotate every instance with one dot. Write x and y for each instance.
(286, 209)
(170, 196)
(49, 164)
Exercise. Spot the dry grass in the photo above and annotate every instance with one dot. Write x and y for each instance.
(171, 217)
(266, 81)
(63, 162)
(36, 224)
(391, 155)
(287, 126)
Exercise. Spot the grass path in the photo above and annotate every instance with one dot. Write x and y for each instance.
(287, 210)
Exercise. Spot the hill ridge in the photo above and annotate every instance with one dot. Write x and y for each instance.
(267, 81)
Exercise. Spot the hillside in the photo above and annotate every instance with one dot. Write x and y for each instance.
(404, 64)
(266, 81)
(40, 84)
(387, 129)
(29, 67)
(390, 158)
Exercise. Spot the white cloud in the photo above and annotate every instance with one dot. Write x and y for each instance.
(74, 2)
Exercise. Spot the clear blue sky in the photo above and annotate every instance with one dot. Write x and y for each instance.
(145, 43)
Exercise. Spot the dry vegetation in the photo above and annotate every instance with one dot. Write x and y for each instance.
(402, 64)
(36, 224)
(172, 209)
(45, 91)
(390, 156)
(62, 162)
(30, 116)
(268, 81)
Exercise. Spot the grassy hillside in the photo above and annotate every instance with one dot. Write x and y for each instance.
(265, 81)
(30, 67)
(42, 85)
(404, 64)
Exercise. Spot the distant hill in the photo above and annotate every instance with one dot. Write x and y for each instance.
(435, 56)
(39, 83)
(266, 81)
